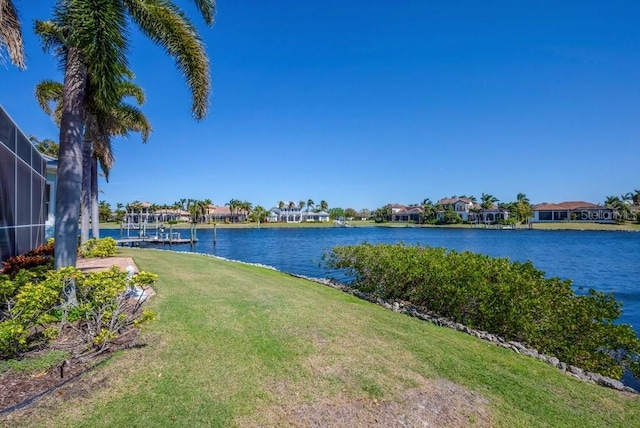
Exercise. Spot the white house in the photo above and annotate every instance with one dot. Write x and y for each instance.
(472, 211)
(295, 214)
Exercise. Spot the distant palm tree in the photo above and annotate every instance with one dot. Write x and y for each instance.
(324, 206)
(428, 210)
(521, 197)
(310, 204)
(259, 214)
(612, 201)
(247, 207)
(487, 203)
(11, 34)
(197, 210)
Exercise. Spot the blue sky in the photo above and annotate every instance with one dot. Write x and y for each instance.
(361, 103)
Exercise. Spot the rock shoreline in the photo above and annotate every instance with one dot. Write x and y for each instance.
(416, 311)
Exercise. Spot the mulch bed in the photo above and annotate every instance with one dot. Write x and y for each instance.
(20, 389)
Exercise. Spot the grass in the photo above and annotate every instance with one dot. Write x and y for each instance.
(41, 362)
(248, 346)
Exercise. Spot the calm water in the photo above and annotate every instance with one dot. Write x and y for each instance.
(606, 261)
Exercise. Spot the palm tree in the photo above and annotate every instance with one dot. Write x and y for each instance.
(612, 201)
(233, 208)
(310, 205)
(46, 146)
(11, 34)
(522, 208)
(120, 212)
(122, 119)
(521, 197)
(428, 210)
(324, 206)
(94, 44)
(615, 202)
(487, 202)
(197, 210)
(259, 214)
(636, 197)
(246, 208)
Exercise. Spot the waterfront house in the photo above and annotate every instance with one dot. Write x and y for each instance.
(471, 211)
(464, 207)
(403, 213)
(223, 214)
(171, 214)
(295, 214)
(320, 216)
(573, 211)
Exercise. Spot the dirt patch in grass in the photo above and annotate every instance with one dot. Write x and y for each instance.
(436, 403)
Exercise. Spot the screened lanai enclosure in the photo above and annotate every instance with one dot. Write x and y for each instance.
(23, 191)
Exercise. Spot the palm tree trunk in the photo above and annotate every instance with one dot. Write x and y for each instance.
(70, 167)
(85, 203)
(95, 205)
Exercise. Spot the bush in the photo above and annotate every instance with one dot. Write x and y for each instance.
(32, 307)
(511, 299)
(40, 256)
(104, 247)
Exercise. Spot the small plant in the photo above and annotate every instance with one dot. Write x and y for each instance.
(13, 338)
(104, 247)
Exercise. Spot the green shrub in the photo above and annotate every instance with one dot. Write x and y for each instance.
(13, 338)
(511, 299)
(104, 247)
(34, 302)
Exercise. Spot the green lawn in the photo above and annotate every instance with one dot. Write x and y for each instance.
(238, 345)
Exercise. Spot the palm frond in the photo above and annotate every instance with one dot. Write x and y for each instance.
(98, 29)
(126, 119)
(166, 25)
(49, 92)
(130, 89)
(207, 8)
(11, 34)
(103, 151)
